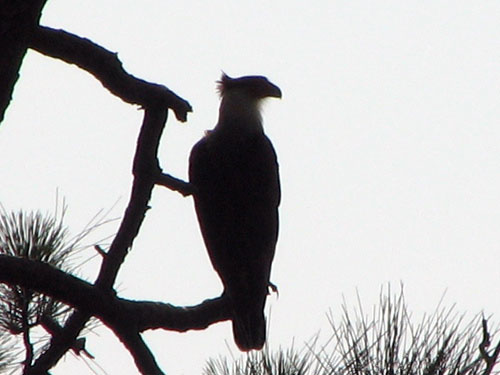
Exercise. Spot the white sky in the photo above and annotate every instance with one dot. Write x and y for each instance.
(387, 136)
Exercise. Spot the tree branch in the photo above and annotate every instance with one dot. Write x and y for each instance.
(18, 31)
(143, 358)
(54, 329)
(113, 311)
(155, 315)
(28, 346)
(107, 68)
(145, 170)
(46, 279)
(175, 184)
(60, 344)
(145, 167)
(125, 317)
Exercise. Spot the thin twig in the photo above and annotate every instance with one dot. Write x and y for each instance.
(28, 346)
(100, 251)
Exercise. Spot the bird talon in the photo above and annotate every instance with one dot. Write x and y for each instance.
(274, 289)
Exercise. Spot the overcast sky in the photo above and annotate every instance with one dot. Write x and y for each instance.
(387, 137)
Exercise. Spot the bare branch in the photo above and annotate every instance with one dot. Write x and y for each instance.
(145, 168)
(28, 346)
(54, 329)
(175, 184)
(42, 277)
(60, 344)
(107, 68)
(155, 315)
(143, 358)
(100, 251)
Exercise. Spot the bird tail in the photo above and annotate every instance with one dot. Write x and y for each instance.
(249, 330)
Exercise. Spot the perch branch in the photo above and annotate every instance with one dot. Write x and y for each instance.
(113, 311)
(107, 68)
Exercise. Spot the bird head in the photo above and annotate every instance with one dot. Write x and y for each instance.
(257, 87)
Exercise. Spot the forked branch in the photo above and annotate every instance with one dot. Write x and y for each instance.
(126, 318)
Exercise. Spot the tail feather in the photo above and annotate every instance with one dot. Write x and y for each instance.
(249, 330)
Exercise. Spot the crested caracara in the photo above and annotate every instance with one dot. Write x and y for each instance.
(235, 172)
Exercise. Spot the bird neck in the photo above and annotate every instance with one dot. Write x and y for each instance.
(239, 114)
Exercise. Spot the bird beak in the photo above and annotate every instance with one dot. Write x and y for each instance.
(274, 91)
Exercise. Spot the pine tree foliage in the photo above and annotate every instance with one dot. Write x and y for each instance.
(42, 238)
(385, 342)
(36, 237)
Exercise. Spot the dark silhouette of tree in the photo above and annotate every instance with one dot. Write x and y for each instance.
(45, 288)
(20, 30)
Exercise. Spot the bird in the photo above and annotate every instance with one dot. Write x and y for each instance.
(235, 172)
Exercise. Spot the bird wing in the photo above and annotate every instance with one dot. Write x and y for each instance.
(237, 199)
